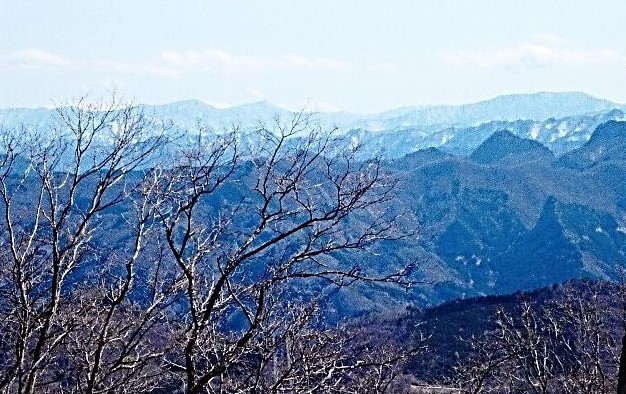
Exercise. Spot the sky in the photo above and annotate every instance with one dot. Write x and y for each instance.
(328, 55)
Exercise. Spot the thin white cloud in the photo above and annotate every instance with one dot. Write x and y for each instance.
(313, 62)
(114, 66)
(32, 59)
(209, 59)
(534, 55)
(37, 59)
(256, 95)
(547, 39)
(172, 64)
(217, 59)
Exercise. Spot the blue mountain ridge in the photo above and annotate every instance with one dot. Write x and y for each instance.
(505, 216)
(561, 121)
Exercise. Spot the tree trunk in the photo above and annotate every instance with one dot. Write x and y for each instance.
(621, 383)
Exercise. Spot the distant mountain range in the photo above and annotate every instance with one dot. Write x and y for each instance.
(538, 107)
(561, 121)
(510, 216)
(534, 195)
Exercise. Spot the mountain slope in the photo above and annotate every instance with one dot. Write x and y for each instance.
(499, 221)
(607, 143)
(503, 144)
(537, 106)
(561, 121)
(504, 225)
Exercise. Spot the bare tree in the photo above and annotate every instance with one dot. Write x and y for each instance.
(57, 189)
(567, 344)
(125, 269)
(294, 352)
(482, 371)
(308, 199)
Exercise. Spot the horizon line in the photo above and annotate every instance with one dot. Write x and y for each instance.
(304, 108)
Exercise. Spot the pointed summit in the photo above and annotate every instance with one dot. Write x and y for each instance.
(503, 144)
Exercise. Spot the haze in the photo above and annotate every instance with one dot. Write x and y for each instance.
(360, 56)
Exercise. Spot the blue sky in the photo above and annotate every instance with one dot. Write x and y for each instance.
(361, 56)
